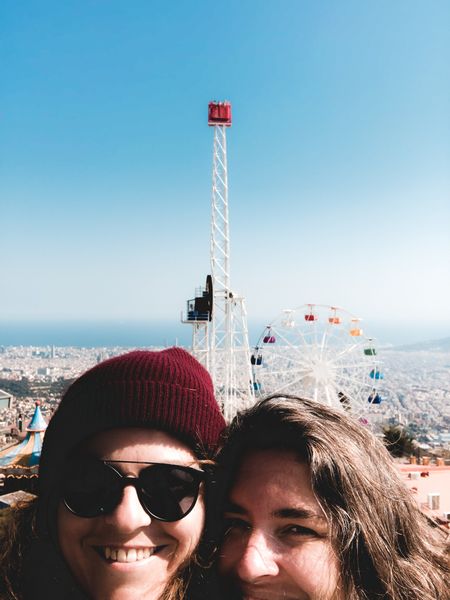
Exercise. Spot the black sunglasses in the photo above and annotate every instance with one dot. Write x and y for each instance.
(92, 487)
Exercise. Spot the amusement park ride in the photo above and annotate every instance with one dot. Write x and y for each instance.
(314, 351)
(319, 352)
(217, 314)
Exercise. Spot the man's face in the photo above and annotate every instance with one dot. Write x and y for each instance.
(128, 555)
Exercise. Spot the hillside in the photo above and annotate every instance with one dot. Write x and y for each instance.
(441, 345)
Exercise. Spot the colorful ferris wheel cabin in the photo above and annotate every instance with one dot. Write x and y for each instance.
(376, 374)
(311, 317)
(335, 320)
(370, 351)
(374, 398)
(256, 359)
(356, 332)
(269, 339)
(219, 113)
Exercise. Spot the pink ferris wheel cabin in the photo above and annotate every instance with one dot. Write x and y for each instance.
(219, 113)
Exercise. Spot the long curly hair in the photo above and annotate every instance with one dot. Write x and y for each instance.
(385, 546)
(18, 529)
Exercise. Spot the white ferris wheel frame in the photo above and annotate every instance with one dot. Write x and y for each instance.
(321, 352)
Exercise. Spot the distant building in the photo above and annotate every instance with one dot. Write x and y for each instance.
(444, 438)
(6, 399)
(44, 371)
(19, 463)
(430, 486)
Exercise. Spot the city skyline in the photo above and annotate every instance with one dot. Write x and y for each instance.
(339, 158)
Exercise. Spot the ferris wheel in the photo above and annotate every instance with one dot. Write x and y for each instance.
(319, 352)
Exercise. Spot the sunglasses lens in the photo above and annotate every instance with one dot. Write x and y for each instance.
(168, 492)
(91, 488)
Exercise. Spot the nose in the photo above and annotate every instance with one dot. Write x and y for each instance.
(258, 559)
(129, 514)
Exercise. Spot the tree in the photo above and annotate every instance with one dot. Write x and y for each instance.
(398, 441)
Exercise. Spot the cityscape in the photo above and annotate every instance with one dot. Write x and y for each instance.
(415, 391)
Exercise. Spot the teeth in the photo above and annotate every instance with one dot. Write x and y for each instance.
(121, 555)
(127, 555)
(132, 555)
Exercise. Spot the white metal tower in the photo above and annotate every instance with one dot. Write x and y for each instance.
(220, 335)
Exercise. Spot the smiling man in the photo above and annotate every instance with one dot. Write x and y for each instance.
(122, 485)
(130, 546)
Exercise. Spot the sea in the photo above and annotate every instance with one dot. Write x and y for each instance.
(164, 333)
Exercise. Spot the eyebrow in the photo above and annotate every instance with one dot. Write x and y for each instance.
(297, 513)
(281, 513)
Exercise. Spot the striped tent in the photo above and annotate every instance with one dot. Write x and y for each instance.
(23, 458)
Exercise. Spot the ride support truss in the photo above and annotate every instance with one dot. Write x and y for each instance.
(218, 316)
(229, 354)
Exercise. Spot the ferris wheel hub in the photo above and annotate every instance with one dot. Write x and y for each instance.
(322, 372)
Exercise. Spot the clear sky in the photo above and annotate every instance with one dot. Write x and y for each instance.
(339, 156)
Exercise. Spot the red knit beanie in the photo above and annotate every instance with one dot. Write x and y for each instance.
(168, 390)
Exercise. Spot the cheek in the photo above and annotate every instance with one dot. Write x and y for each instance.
(188, 531)
(230, 553)
(315, 570)
(71, 530)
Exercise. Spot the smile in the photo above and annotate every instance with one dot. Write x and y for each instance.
(127, 555)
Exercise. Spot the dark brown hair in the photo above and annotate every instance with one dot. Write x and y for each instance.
(386, 548)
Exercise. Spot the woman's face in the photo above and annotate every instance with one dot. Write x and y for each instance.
(277, 544)
(143, 553)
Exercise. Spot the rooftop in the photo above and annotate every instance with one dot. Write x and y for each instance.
(424, 481)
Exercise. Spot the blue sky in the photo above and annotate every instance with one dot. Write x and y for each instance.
(339, 156)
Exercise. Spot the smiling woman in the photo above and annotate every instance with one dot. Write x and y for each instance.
(122, 486)
(314, 510)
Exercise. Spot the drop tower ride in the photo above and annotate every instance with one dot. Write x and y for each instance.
(217, 314)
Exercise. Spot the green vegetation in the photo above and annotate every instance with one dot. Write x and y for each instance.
(26, 389)
(19, 389)
(398, 441)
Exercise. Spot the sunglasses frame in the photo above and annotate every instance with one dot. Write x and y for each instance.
(198, 475)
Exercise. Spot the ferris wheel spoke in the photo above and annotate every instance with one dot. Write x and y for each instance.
(353, 380)
(280, 335)
(290, 357)
(301, 335)
(325, 337)
(331, 394)
(334, 395)
(282, 373)
(288, 384)
(357, 365)
(348, 350)
(352, 362)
